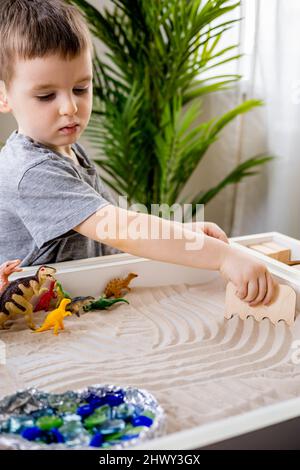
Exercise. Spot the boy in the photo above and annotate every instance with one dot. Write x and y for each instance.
(53, 206)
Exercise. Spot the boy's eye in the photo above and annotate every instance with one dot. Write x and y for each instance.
(46, 97)
(78, 91)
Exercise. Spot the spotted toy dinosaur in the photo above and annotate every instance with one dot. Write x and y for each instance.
(16, 295)
(115, 286)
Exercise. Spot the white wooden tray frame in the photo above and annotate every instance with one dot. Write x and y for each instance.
(89, 276)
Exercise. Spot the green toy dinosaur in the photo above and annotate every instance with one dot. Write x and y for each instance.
(102, 304)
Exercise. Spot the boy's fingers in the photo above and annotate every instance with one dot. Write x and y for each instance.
(262, 290)
(242, 291)
(12, 263)
(222, 236)
(252, 291)
(271, 289)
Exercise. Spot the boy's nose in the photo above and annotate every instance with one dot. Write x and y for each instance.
(68, 106)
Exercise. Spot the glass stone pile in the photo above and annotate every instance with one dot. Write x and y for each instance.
(98, 417)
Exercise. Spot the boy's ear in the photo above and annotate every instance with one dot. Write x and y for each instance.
(4, 107)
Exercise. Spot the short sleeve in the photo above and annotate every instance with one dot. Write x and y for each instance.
(53, 199)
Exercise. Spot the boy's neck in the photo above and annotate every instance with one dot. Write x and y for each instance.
(66, 150)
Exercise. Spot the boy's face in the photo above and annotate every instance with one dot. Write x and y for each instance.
(48, 94)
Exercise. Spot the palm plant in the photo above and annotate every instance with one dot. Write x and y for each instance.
(148, 89)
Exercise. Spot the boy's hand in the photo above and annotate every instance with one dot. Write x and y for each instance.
(209, 228)
(213, 230)
(252, 279)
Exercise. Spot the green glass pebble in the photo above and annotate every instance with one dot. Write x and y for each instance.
(114, 436)
(128, 427)
(49, 422)
(149, 414)
(105, 409)
(135, 430)
(95, 420)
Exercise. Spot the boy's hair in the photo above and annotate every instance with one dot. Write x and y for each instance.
(35, 28)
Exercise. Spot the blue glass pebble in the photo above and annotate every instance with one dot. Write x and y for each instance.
(127, 437)
(96, 440)
(32, 433)
(115, 399)
(141, 421)
(95, 401)
(56, 436)
(85, 410)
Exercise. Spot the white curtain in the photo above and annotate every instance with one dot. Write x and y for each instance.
(272, 200)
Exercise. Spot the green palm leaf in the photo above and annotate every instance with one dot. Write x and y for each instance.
(147, 125)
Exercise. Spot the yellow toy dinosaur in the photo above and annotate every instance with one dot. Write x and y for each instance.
(55, 319)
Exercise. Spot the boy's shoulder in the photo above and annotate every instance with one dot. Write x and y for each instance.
(20, 154)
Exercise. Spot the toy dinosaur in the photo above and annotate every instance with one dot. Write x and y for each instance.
(102, 304)
(45, 299)
(6, 269)
(61, 293)
(79, 303)
(16, 296)
(55, 319)
(115, 286)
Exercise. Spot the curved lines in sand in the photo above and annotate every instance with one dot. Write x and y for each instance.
(215, 329)
(269, 352)
(195, 323)
(244, 366)
(230, 332)
(192, 328)
(145, 308)
(166, 376)
(159, 370)
(164, 331)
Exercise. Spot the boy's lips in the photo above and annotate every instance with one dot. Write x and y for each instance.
(70, 129)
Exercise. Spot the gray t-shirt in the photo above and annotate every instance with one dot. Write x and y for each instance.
(43, 196)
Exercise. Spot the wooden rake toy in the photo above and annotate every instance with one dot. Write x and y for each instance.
(283, 306)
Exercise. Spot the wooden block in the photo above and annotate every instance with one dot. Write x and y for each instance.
(279, 252)
(282, 308)
(273, 250)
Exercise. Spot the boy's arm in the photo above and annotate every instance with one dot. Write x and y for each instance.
(205, 252)
(115, 226)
